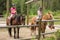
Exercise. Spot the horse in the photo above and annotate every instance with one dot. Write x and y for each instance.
(15, 20)
(43, 24)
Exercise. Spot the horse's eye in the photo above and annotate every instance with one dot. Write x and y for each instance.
(50, 15)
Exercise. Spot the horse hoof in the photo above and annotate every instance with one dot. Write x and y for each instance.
(10, 35)
(53, 27)
(18, 37)
(31, 34)
(43, 36)
(14, 37)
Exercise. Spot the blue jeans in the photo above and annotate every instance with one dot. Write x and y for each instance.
(38, 17)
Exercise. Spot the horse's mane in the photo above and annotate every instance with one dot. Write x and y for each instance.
(18, 18)
(47, 16)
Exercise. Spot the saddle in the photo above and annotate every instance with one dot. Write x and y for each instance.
(16, 17)
(12, 18)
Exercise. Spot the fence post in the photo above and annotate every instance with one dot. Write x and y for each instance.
(27, 14)
(7, 7)
(40, 21)
(39, 29)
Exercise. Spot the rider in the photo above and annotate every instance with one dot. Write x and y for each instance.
(39, 13)
(12, 11)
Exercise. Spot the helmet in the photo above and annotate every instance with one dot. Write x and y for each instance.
(13, 4)
(40, 8)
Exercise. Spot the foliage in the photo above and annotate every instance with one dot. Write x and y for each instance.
(2, 6)
(57, 35)
(20, 5)
(57, 13)
(34, 7)
(53, 5)
(50, 38)
(4, 12)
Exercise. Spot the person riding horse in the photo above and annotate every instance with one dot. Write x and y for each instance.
(14, 19)
(9, 19)
(39, 13)
(12, 12)
(43, 24)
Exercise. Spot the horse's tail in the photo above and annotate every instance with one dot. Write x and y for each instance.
(7, 21)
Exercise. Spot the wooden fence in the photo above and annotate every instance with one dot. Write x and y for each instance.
(32, 26)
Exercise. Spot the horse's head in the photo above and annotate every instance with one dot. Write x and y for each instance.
(50, 17)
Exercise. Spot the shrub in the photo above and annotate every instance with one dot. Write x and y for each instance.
(57, 35)
(50, 38)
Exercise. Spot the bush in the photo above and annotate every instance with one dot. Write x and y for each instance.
(4, 14)
(50, 38)
(57, 35)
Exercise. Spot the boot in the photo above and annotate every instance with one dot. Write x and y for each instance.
(10, 21)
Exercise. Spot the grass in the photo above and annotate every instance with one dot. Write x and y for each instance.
(57, 23)
(50, 38)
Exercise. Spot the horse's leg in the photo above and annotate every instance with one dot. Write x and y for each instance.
(35, 30)
(43, 31)
(43, 28)
(14, 32)
(18, 32)
(32, 32)
(24, 23)
(9, 30)
(11, 21)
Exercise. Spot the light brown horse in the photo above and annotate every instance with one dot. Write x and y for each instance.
(48, 16)
(16, 20)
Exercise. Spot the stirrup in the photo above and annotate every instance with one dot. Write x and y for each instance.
(10, 21)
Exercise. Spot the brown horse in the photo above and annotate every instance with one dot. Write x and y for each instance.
(16, 20)
(43, 24)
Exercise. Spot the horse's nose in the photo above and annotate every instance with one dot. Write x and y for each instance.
(53, 27)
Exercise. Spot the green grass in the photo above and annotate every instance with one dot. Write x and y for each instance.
(50, 38)
(57, 23)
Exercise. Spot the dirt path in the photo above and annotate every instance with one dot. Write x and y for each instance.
(25, 34)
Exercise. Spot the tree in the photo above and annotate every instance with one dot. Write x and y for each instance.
(52, 4)
(2, 6)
